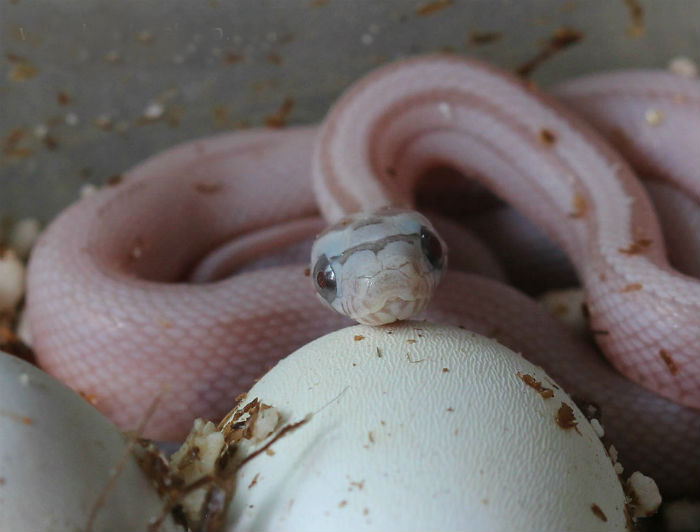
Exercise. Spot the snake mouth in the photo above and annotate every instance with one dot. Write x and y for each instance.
(394, 309)
(392, 295)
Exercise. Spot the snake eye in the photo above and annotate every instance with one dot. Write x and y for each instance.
(432, 248)
(324, 279)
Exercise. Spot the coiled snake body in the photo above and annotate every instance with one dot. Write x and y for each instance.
(113, 314)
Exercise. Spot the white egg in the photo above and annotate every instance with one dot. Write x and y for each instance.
(423, 427)
(57, 453)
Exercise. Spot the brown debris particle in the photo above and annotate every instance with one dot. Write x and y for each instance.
(479, 38)
(636, 247)
(274, 58)
(560, 40)
(545, 393)
(432, 7)
(632, 287)
(221, 114)
(145, 37)
(286, 38)
(560, 309)
(14, 137)
(173, 115)
(379, 353)
(566, 418)
(50, 142)
(585, 310)
(254, 481)
(25, 420)
(445, 370)
(679, 98)
(371, 436)
(358, 337)
(232, 58)
(22, 69)
(547, 137)
(64, 98)
(493, 333)
(279, 118)
(410, 341)
(208, 188)
(17, 152)
(307, 272)
(342, 504)
(579, 206)
(636, 12)
(112, 57)
(670, 363)
(12, 344)
(89, 397)
(598, 512)
(104, 122)
(114, 180)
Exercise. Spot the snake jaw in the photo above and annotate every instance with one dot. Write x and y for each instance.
(390, 295)
(394, 309)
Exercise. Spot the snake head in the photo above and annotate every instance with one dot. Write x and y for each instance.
(378, 267)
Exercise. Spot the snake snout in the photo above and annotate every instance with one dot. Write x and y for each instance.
(394, 309)
(391, 295)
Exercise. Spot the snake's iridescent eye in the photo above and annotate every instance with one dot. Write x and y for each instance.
(324, 279)
(432, 248)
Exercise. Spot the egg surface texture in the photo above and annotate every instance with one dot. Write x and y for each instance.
(56, 456)
(416, 426)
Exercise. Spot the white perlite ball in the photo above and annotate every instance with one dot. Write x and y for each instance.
(12, 276)
(568, 306)
(23, 236)
(417, 426)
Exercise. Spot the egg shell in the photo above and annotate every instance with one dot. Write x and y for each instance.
(422, 427)
(57, 453)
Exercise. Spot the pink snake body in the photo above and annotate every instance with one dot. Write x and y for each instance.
(112, 316)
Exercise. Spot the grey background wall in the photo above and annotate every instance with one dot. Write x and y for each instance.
(88, 88)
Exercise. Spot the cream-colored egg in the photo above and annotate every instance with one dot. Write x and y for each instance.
(423, 427)
(57, 453)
